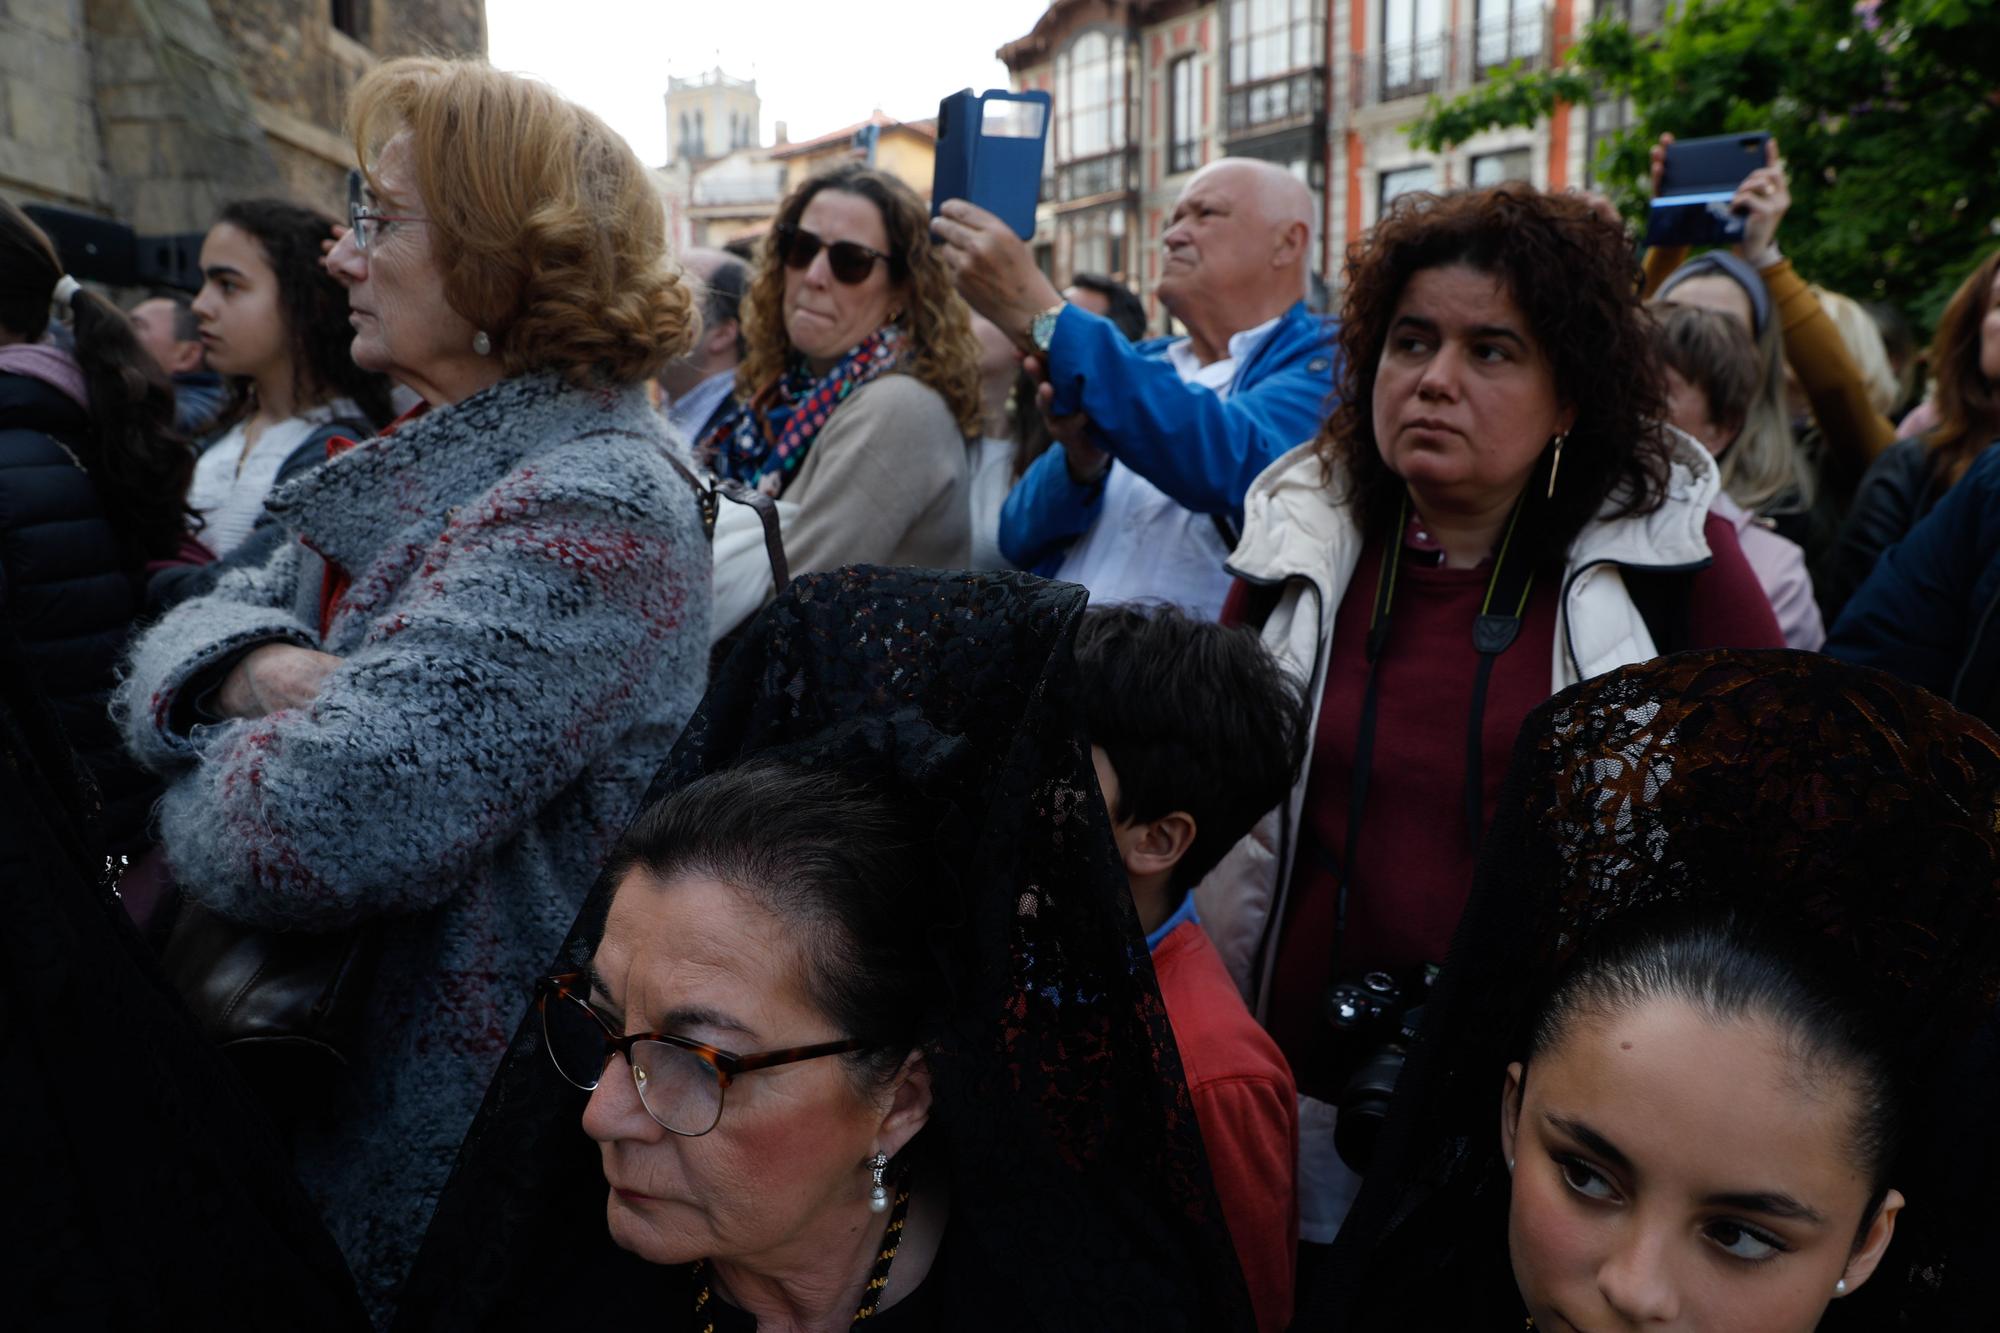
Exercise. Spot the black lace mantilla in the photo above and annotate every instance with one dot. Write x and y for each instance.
(1080, 1196)
(1829, 798)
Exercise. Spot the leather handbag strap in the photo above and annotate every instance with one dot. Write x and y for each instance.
(767, 513)
(711, 490)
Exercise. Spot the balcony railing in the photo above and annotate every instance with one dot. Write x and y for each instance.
(1451, 60)
(1106, 174)
(1297, 96)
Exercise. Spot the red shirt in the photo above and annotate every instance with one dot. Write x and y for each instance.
(1248, 1111)
(1413, 868)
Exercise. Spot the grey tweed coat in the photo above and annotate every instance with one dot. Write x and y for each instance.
(524, 634)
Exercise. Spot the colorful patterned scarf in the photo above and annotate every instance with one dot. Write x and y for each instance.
(764, 442)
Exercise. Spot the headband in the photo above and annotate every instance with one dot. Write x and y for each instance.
(66, 289)
(1728, 265)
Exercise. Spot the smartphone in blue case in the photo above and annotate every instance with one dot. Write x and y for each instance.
(989, 151)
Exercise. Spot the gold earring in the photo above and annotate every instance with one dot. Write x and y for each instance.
(1556, 463)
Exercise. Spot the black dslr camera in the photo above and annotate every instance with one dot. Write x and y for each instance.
(1375, 1018)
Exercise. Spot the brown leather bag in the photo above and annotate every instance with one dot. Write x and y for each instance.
(287, 1006)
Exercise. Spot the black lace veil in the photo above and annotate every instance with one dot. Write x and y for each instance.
(143, 1187)
(1803, 791)
(1080, 1193)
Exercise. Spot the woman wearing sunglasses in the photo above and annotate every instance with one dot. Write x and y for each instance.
(860, 386)
(851, 1028)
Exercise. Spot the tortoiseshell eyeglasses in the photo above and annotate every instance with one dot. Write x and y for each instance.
(680, 1081)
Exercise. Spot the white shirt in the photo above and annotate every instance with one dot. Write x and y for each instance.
(992, 479)
(229, 498)
(691, 411)
(1145, 547)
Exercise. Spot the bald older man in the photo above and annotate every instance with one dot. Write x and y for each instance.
(1160, 440)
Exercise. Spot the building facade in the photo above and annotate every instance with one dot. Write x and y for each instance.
(156, 112)
(905, 149)
(1147, 91)
(711, 116)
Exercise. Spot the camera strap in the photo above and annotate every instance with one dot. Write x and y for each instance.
(1494, 630)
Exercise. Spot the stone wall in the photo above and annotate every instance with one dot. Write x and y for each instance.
(158, 111)
(49, 146)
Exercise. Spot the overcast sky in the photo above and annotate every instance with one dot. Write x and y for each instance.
(819, 64)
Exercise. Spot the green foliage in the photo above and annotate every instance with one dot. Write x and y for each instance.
(1888, 115)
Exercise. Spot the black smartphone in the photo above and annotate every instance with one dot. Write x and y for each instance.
(1697, 181)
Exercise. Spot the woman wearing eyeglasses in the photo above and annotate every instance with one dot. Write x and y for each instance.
(860, 387)
(433, 706)
(852, 1029)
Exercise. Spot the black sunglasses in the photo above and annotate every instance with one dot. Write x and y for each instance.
(850, 261)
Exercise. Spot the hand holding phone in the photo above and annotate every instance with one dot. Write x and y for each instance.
(1762, 200)
(1697, 196)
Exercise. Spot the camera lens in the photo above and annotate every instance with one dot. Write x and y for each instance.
(1364, 1105)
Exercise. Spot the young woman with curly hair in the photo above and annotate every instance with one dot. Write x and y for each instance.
(1492, 511)
(860, 388)
(432, 707)
(274, 324)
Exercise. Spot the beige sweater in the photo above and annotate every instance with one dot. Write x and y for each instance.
(885, 483)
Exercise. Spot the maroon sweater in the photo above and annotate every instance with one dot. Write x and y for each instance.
(1414, 865)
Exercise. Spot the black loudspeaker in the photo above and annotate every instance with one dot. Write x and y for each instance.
(95, 249)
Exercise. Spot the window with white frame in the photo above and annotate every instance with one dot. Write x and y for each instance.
(1508, 30)
(1514, 164)
(1401, 181)
(1097, 241)
(1413, 46)
(1090, 96)
(1183, 116)
(1269, 38)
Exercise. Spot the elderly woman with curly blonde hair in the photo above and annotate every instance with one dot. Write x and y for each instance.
(861, 383)
(433, 708)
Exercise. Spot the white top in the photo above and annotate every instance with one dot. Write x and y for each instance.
(1145, 547)
(230, 498)
(992, 479)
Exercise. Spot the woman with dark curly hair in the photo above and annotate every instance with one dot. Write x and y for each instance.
(274, 324)
(860, 387)
(1493, 511)
(426, 713)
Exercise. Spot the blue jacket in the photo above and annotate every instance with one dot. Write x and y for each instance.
(1199, 448)
(1927, 613)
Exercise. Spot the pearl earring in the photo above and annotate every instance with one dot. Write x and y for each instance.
(878, 1197)
(482, 344)
(1510, 1164)
(1840, 1287)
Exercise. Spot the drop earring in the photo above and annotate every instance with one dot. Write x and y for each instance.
(482, 344)
(878, 1197)
(1556, 462)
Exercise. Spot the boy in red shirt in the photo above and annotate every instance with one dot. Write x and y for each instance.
(1196, 732)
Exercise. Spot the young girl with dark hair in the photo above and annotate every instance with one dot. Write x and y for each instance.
(92, 479)
(1716, 1046)
(274, 322)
